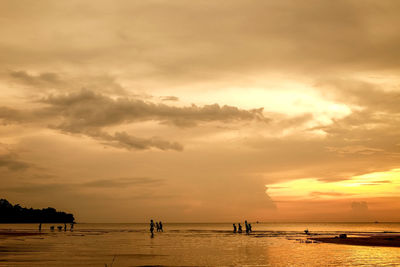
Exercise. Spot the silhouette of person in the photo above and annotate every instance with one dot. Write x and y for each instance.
(239, 228)
(247, 227)
(40, 227)
(72, 227)
(152, 228)
(65, 227)
(234, 228)
(157, 227)
(250, 228)
(160, 224)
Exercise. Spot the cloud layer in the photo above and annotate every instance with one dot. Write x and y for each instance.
(250, 93)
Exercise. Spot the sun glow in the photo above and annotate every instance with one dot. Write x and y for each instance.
(367, 185)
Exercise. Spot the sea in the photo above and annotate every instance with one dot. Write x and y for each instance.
(194, 244)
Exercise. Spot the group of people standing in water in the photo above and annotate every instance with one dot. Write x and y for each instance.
(58, 227)
(158, 225)
(239, 228)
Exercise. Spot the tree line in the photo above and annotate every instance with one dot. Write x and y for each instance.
(16, 214)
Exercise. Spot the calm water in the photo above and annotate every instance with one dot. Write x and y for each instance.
(271, 244)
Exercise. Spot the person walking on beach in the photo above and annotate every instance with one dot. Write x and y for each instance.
(40, 227)
(250, 228)
(152, 228)
(240, 228)
(234, 228)
(157, 227)
(247, 227)
(160, 225)
(72, 227)
(65, 227)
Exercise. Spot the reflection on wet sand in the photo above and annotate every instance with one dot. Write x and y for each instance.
(193, 245)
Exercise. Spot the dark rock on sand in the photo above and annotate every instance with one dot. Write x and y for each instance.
(376, 240)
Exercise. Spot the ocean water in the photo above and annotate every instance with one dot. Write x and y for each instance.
(194, 244)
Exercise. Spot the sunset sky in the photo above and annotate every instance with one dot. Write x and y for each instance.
(208, 111)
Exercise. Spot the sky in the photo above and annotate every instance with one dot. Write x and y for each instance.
(202, 111)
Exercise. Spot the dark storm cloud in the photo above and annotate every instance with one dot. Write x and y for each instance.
(88, 113)
(124, 140)
(88, 109)
(127, 141)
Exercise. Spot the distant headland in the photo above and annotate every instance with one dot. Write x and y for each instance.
(16, 214)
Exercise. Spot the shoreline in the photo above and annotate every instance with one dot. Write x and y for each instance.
(379, 240)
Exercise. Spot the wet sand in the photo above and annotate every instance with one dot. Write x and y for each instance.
(212, 244)
(376, 240)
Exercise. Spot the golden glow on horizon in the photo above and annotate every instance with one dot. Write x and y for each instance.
(376, 184)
